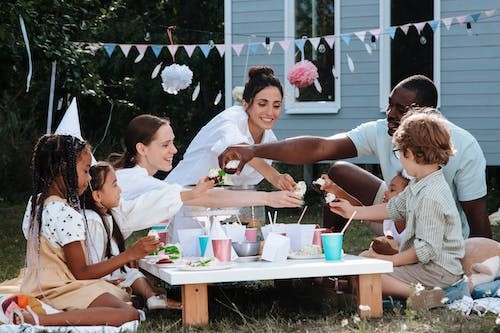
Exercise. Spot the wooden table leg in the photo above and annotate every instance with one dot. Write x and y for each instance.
(195, 304)
(369, 291)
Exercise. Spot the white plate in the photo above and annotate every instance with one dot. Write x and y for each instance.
(248, 259)
(176, 263)
(313, 256)
(212, 267)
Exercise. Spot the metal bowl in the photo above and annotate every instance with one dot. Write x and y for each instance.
(246, 249)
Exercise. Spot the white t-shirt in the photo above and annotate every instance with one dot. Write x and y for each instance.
(60, 224)
(465, 171)
(227, 128)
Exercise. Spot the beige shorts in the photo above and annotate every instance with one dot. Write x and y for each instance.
(430, 275)
(376, 227)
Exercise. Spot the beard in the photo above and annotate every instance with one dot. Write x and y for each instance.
(392, 125)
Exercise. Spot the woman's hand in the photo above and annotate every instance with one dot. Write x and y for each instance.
(283, 181)
(203, 186)
(143, 247)
(280, 199)
(342, 207)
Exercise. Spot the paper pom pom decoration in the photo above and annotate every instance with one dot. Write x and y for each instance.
(238, 93)
(176, 77)
(302, 74)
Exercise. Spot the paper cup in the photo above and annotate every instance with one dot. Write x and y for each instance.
(222, 249)
(163, 236)
(203, 240)
(332, 246)
(317, 237)
(251, 234)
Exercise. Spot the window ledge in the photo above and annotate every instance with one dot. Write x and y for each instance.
(312, 108)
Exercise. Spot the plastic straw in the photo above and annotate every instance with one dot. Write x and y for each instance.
(270, 218)
(348, 222)
(275, 216)
(238, 218)
(302, 215)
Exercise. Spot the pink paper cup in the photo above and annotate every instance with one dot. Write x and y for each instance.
(163, 236)
(251, 234)
(317, 237)
(222, 249)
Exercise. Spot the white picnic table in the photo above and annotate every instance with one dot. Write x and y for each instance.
(195, 283)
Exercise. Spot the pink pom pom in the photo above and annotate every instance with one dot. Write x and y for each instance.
(302, 74)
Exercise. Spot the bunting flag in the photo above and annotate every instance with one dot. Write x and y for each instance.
(462, 19)
(285, 44)
(237, 48)
(109, 48)
(375, 33)
(221, 48)
(361, 35)
(330, 40)
(141, 48)
(156, 49)
(434, 24)
(490, 13)
(447, 22)
(253, 47)
(300, 44)
(405, 28)
(173, 50)
(125, 49)
(346, 38)
(205, 48)
(420, 26)
(189, 49)
(391, 31)
(475, 17)
(315, 42)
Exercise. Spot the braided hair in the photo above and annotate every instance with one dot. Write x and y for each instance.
(54, 156)
(99, 173)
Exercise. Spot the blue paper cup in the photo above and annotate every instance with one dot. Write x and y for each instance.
(332, 245)
(203, 244)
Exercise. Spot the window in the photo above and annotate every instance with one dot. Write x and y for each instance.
(309, 19)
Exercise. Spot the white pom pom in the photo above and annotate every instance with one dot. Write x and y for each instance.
(176, 77)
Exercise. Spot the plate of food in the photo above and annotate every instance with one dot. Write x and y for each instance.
(205, 264)
(308, 252)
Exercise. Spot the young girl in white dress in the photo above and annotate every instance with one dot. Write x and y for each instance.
(106, 213)
(57, 271)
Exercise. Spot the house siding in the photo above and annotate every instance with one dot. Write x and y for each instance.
(470, 69)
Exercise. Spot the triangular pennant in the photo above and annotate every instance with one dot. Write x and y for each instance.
(391, 31)
(420, 26)
(93, 47)
(330, 40)
(405, 28)
(156, 49)
(253, 47)
(189, 49)
(109, 48)
(346, 38)
(475, 16)
(361, 35)
(490, 13)
(172, 49)
(375, 33)
(434, 24)
(368, 48)
(141, 48)
(221, 48)
(237, 48)
(285, 44)
(125, 49)
(268, 47)
(300, 44)
(447, 22)
(205, 48)
(462, 19)
(315, 42)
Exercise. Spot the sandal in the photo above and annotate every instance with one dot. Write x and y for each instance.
(161, 302)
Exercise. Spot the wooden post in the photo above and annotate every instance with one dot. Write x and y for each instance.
(195, 304)
(369, 292)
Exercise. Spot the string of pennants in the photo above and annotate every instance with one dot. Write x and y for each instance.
(299, 43)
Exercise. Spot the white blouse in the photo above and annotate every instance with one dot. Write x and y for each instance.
(136, 181)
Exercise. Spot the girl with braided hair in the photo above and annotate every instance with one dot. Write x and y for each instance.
(57, 269)
(106, 213)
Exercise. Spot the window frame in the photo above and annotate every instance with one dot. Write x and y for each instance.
(385, 54)
(291, 106)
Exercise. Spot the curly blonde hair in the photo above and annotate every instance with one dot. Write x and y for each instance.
(426, 134)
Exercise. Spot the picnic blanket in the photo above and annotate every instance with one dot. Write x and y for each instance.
(480, 306)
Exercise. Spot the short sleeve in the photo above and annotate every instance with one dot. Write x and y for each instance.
(97, 236)
(62, 224)
(470, 178)
(364, 138)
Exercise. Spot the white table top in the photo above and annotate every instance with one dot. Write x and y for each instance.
(263, 270)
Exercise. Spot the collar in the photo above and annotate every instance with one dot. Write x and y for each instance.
(416, 186)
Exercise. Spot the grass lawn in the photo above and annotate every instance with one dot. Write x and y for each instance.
(259, 307)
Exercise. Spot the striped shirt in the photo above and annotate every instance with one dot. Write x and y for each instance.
(433, 224)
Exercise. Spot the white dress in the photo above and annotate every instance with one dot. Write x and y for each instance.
(227, 128)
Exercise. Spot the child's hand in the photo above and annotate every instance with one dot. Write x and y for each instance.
(284, 182)
(342, 207)
(116, 281)
(143, 247)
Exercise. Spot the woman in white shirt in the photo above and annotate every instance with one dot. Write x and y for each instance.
(149, 142)
(249, 123)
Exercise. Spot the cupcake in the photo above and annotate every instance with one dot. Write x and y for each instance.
(329, 197)
(217, 175)
(231, 166)
(300, 188)
(316, 184)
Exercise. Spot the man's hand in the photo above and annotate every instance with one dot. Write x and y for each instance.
(242, 153)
